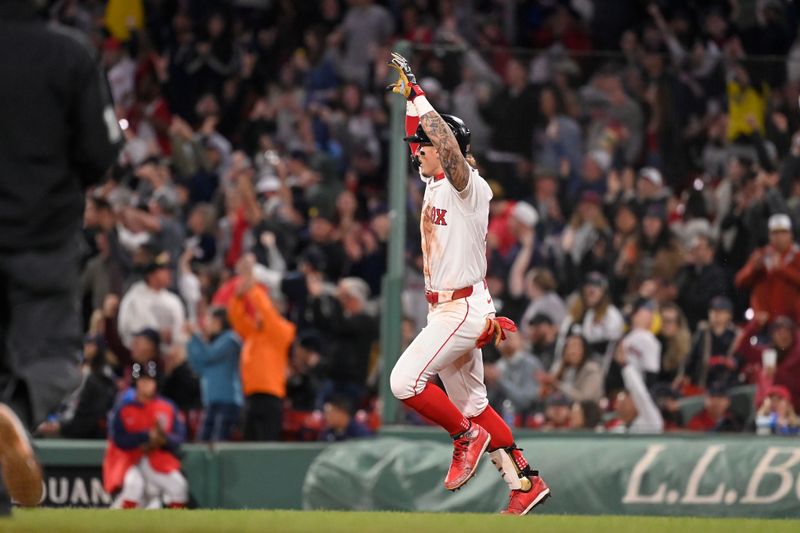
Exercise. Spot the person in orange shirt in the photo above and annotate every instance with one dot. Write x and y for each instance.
(265, 354)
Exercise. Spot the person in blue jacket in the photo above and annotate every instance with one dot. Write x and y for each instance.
(216, 362)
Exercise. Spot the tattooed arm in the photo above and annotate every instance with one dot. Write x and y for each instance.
(455, 166)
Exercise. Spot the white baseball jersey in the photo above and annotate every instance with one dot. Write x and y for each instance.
(453, 227)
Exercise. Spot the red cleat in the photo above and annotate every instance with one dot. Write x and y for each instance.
(21, 471)
(467, 452)
(521, 502)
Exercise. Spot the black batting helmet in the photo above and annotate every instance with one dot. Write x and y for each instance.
(457, 126)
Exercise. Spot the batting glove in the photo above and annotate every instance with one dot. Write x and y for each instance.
(495, 331)
(406, 83)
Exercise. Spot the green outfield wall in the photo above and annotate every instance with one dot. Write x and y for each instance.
(403, 469)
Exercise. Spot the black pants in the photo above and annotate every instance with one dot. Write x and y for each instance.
(40, 330)
(263, 417)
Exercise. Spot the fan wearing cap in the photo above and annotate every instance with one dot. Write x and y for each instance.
(777, 361)
(149, 304)
(716, 415)
(146, 430)
(462, 315)
(772, 273)
(775, 415)
(712, 344)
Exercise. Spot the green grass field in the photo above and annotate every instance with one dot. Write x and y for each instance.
(75, 520)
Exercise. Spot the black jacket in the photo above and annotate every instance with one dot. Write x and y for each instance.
(58, 130)
(351, 338)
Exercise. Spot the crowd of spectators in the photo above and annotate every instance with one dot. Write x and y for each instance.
(645, 173)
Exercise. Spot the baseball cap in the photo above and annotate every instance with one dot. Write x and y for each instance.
(644, 303)
(782, 321)
(718, 388)
(558, 398)
(596, 278)
(781, 391)
(779, 222)
(540, 318)
(721, 303)
(652, 175)
(656, 210)
(601, 158)
(144, 370)
(591, 197)
(160, 260)
(150, 334)
(526, 214)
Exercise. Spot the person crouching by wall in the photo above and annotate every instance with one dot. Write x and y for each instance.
(141, 461)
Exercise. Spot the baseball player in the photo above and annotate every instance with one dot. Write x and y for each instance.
(141, 460)
(461, 314)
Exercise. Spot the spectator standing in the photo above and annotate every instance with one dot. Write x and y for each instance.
(267, 338)
(148, 304)
(784, 343)
(640, 349)
(636, 410)
(700, 280)
(60, 137)
(215, 359)
(772, 273)
(352, 333)
(713, 339)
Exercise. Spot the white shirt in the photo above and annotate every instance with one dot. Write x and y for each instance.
(643, 351)
(143, 307)
(648, 418)
(453, 227)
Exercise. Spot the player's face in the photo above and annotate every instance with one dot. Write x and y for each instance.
(146, 387)
(428, 160)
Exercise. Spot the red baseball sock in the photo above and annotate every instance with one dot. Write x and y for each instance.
(497, 428)
(433, 404)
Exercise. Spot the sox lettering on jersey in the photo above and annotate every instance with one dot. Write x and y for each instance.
(437, 216)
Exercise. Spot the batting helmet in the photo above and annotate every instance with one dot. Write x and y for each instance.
(457, 126)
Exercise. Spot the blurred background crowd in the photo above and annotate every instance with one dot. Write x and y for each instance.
(646, 179)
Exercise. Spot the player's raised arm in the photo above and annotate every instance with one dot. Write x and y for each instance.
(453, 162)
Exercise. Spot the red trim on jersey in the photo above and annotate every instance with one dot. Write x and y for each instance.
(439, 176)
(442, 346)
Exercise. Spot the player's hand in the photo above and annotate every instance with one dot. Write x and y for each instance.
(406, 83)
(495, 331)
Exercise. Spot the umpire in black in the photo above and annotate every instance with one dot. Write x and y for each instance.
(58, 136)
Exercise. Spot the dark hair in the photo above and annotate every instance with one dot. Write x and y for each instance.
(587, 352)
(591, 413)
(341, 402)
(221, 314)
